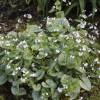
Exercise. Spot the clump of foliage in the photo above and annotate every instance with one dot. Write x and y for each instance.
(58, 61)
(7, 7)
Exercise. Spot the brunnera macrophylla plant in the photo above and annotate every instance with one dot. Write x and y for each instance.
(58, 61)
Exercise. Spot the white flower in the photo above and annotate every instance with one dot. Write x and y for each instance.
(90, 15)
(98, 51)
(18, 68)
(95, 10)
(83, 16)
(76, 34)
(96, 60)
(64, 0)
(22, 44)
(71, 56)
(81, 98)
(69, 3)
(19, 20)
(24, 70)
(66, 95)
(17, 57)
(99, 68)
(82, 24)
(89, 49)
(8, 66)
(33, 65)
(29, 16)
(33, 75)
(80, 53)
(65, 86)
(85, 64)
(55, 40)
(60, 90)
(7, 43)
(78, 40)
(40, 49)
(84, 48)
(57, 51)
(15, 40)
(14, 73)
(46, 94)
(23, 80)
(46, 54)
(25, 15)
(37, 40)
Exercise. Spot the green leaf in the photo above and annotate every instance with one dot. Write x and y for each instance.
(45, 85)
(85, 83)
(62, 59)
(36, 87)
(82, 5)
(40, 74)
(18, 91)
(36, 95)
(74, 88)
(94, 5)
(3, 78)
(27, 55)
(51, 83)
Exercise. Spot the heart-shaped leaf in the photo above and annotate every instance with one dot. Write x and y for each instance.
(85, 83)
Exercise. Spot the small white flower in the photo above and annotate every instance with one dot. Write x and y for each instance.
(90, 15)
(60, 90)
(19, 20)
(55, 40)
(46, 54)
(40, 49)
(76, 34)
(99, 68)
(33, 65)
(46, 93)
(99, 76)
(78, 40)
(71, 56)
(96, 60)
(80, 53)
(65, 86)
(69, 3)
(83, 16)
(29, 16)
(8, 66)
(14, 73)
(95, 10)
(89, 49)
(23, 80)
(25, 15)
(37, 40)
(81, 98)
(57, 51)
(98, 51)
(64, 0)
(66, 95)
(33, 75)
(84, 48)
(22, 44)
(85, 64)
(16, 57)
(18, 68)
(82, 24)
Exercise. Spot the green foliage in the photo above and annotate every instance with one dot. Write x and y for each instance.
(81, 5)
(52, 62)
